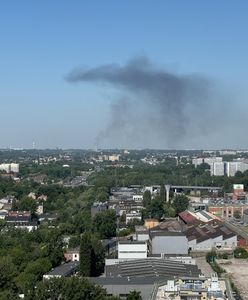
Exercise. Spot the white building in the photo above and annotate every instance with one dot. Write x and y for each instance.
(211, 160)
(132, 249)
(138, 198)
(217, 168)
(233, 166)
(197, 161)
(14, 168)
(10, 168)
(168, 242)
(218, 242)
(200, 287)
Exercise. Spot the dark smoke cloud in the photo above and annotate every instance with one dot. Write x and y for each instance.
(156, 104)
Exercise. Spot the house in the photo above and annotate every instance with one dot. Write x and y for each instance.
(40, 209)
(3, 214)
(72, 254)
(48, 218)
(64, 270)
(32, 195)
(21, 220)
(42, 198)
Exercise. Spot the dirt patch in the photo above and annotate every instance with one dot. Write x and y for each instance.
(238, 269)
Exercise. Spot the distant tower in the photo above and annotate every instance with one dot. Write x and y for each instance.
(167, 188)
(33, 145)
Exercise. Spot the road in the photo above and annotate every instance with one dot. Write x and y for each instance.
(237, 229)
(229, 289)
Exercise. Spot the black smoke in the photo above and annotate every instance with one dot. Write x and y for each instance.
(154, 103)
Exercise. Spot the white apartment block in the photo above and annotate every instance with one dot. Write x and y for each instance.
(197, 161)
(233, 166)
(217, 168)
(211, 160)
(10, 168)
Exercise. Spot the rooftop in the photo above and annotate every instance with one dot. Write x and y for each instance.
(132, 242)
(151, 267)
(65, 269)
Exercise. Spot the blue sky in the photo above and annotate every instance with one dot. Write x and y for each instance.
(42, 41)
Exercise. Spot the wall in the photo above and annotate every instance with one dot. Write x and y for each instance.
(132, 251)
(145, 289)
(211, 243)
(169, 245)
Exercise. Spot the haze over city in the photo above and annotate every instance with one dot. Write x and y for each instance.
(164, 74)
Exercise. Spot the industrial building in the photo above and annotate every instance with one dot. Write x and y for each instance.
(132, 249)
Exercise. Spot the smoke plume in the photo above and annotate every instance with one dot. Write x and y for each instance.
(154, 104)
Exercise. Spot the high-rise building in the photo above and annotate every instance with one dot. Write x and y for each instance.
(10, 168)
(211, 160)
(197, 161)
(217, 168)
(234, 166)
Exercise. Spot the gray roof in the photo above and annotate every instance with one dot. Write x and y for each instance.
(64, 269)
(132, 242)
(166, 233)
(128, 280)
(151, 267)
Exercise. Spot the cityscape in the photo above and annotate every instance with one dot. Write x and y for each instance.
(123, 150)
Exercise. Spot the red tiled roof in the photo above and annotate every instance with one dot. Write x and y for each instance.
(187, 217)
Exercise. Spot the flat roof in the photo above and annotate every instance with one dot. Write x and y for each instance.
(151, 267)
(132, 242)
(166, 233)
(64, 269)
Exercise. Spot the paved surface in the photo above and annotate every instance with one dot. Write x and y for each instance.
(238, 270)
(204, 266)
(237, 229)
(229, 289)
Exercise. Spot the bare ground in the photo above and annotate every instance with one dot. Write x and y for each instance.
(238, 269)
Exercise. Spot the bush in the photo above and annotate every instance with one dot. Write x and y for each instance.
(240, 253)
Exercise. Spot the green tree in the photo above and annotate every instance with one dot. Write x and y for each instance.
(240, 253)
(7, 272)
(85, 255)
(38, 267)
(104, 224)
(26, 203)
(132, 223)
(155, 209)
(26, 283)
(147, 198)
(134, 295)
(162, 193)
(97, 257)
(180, 203)
(169, 210)
(73, 288)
